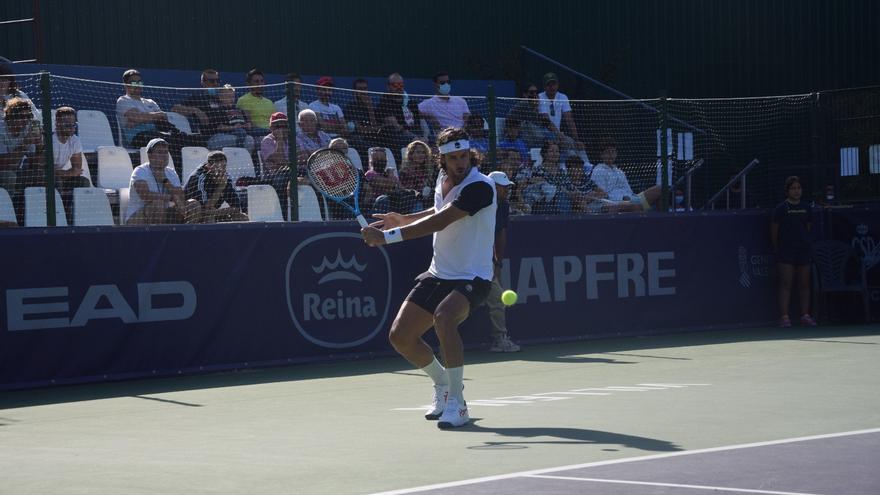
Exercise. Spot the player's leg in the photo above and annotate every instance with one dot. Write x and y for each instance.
(453, 310)
(406, 334)
(786, 272)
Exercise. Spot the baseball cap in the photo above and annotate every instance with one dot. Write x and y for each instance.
(277, 117)
(500, 178)
(325, 81)
(549, 77)
(155, 141)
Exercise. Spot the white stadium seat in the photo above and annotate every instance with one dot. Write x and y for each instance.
(94, 130)
(35, 208)
(238, 163)
(114, 167)
(91, 207)
(263, 204)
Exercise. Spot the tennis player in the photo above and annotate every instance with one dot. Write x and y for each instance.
(459, 278)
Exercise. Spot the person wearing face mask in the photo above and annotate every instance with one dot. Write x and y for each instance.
(443, 110)
(680, 205)
(203, 104)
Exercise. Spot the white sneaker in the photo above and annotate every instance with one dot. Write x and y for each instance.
(438, 402)
(454, 415)
(503, 344)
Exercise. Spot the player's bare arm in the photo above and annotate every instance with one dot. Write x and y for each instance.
(426, 225)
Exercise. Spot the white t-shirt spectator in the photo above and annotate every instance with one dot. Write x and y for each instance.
(63, 151)
(330, 112)
(554, 108)
(449, 111)
(144, 105)
(613, 181)
(143, 173)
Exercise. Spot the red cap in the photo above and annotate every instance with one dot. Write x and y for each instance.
(277, 117)
(325, 81)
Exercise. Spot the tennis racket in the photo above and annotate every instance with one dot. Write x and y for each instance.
(336, 178)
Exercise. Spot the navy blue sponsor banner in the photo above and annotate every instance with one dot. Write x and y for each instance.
(92, 304)
(860, 227)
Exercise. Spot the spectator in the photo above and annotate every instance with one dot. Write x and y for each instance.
(557, 198)
(474, 127)
(230, 124)
(200, 107)
(679, 204)
(383, 184)
(535, 190)
(330, 116)
(441, 110)
(339, 144)
(586, 196)
(155, 193)
(21, 150)
(398, 115)
(555, 108)
(67, 148)
(142, 120)
(281, 105)
(363, 123)
(257, 107)
(791, 237)
(207, 189)
(417, 174)
(510, 138)
(9, 88)
(311, 138)
(534, 130)
(613, 181)
(275, 153)
(500, 339)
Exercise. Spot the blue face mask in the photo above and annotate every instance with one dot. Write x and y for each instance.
(445, 88)
(679, 199)
(212, 91)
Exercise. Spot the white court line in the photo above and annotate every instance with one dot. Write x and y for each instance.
(485, 479)
(672, 485)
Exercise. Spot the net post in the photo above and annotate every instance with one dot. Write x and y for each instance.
(493, 132)
(293, 197)
(664, 158)
(48, 155)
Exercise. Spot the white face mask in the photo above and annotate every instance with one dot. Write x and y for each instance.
(445, 88)
(829, 197)
(405, 98)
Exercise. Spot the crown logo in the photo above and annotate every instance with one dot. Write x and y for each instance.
(862, 229)
(342, 274)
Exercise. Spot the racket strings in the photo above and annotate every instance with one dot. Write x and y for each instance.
(331, 174)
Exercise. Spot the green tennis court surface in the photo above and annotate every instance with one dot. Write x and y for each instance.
(716, 410)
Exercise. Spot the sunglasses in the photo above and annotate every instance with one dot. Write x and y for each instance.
(136, 83)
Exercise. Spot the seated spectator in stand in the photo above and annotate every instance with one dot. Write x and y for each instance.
(613, 181)
(398, 115)
(586, 196)
(275, 155)
(679, 204)
(479, 137)
(21, 151)
(363, 123)
(557, 199)
(230, 124)
(417, 174)
(340, 145)
(281, 105)
(533, 128)
(207, 189)
(257, 107)
(67, 149)
(555, 110)
(142, 120)
(330, 117)
(155, 195)
(510, 138)
(310, 139)
(534, 188)
(200, 107)
(9, 88)
(383, 184)
(441, 110)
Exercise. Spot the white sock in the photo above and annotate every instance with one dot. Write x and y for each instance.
(456, 382)
(437, 372)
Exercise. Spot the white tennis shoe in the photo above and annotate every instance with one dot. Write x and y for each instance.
(438, 402)
(454, 415)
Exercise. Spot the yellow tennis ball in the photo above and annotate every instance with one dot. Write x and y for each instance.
(508, 297)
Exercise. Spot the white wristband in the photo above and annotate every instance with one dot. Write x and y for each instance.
(392, 236)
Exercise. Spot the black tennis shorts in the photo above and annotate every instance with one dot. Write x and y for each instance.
(430, 291)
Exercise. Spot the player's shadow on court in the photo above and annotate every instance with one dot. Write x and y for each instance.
(525, 436)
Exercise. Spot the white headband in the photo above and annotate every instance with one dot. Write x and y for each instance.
(461, 144)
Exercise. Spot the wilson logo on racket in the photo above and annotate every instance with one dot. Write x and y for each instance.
(334, 175)
(338, 291)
